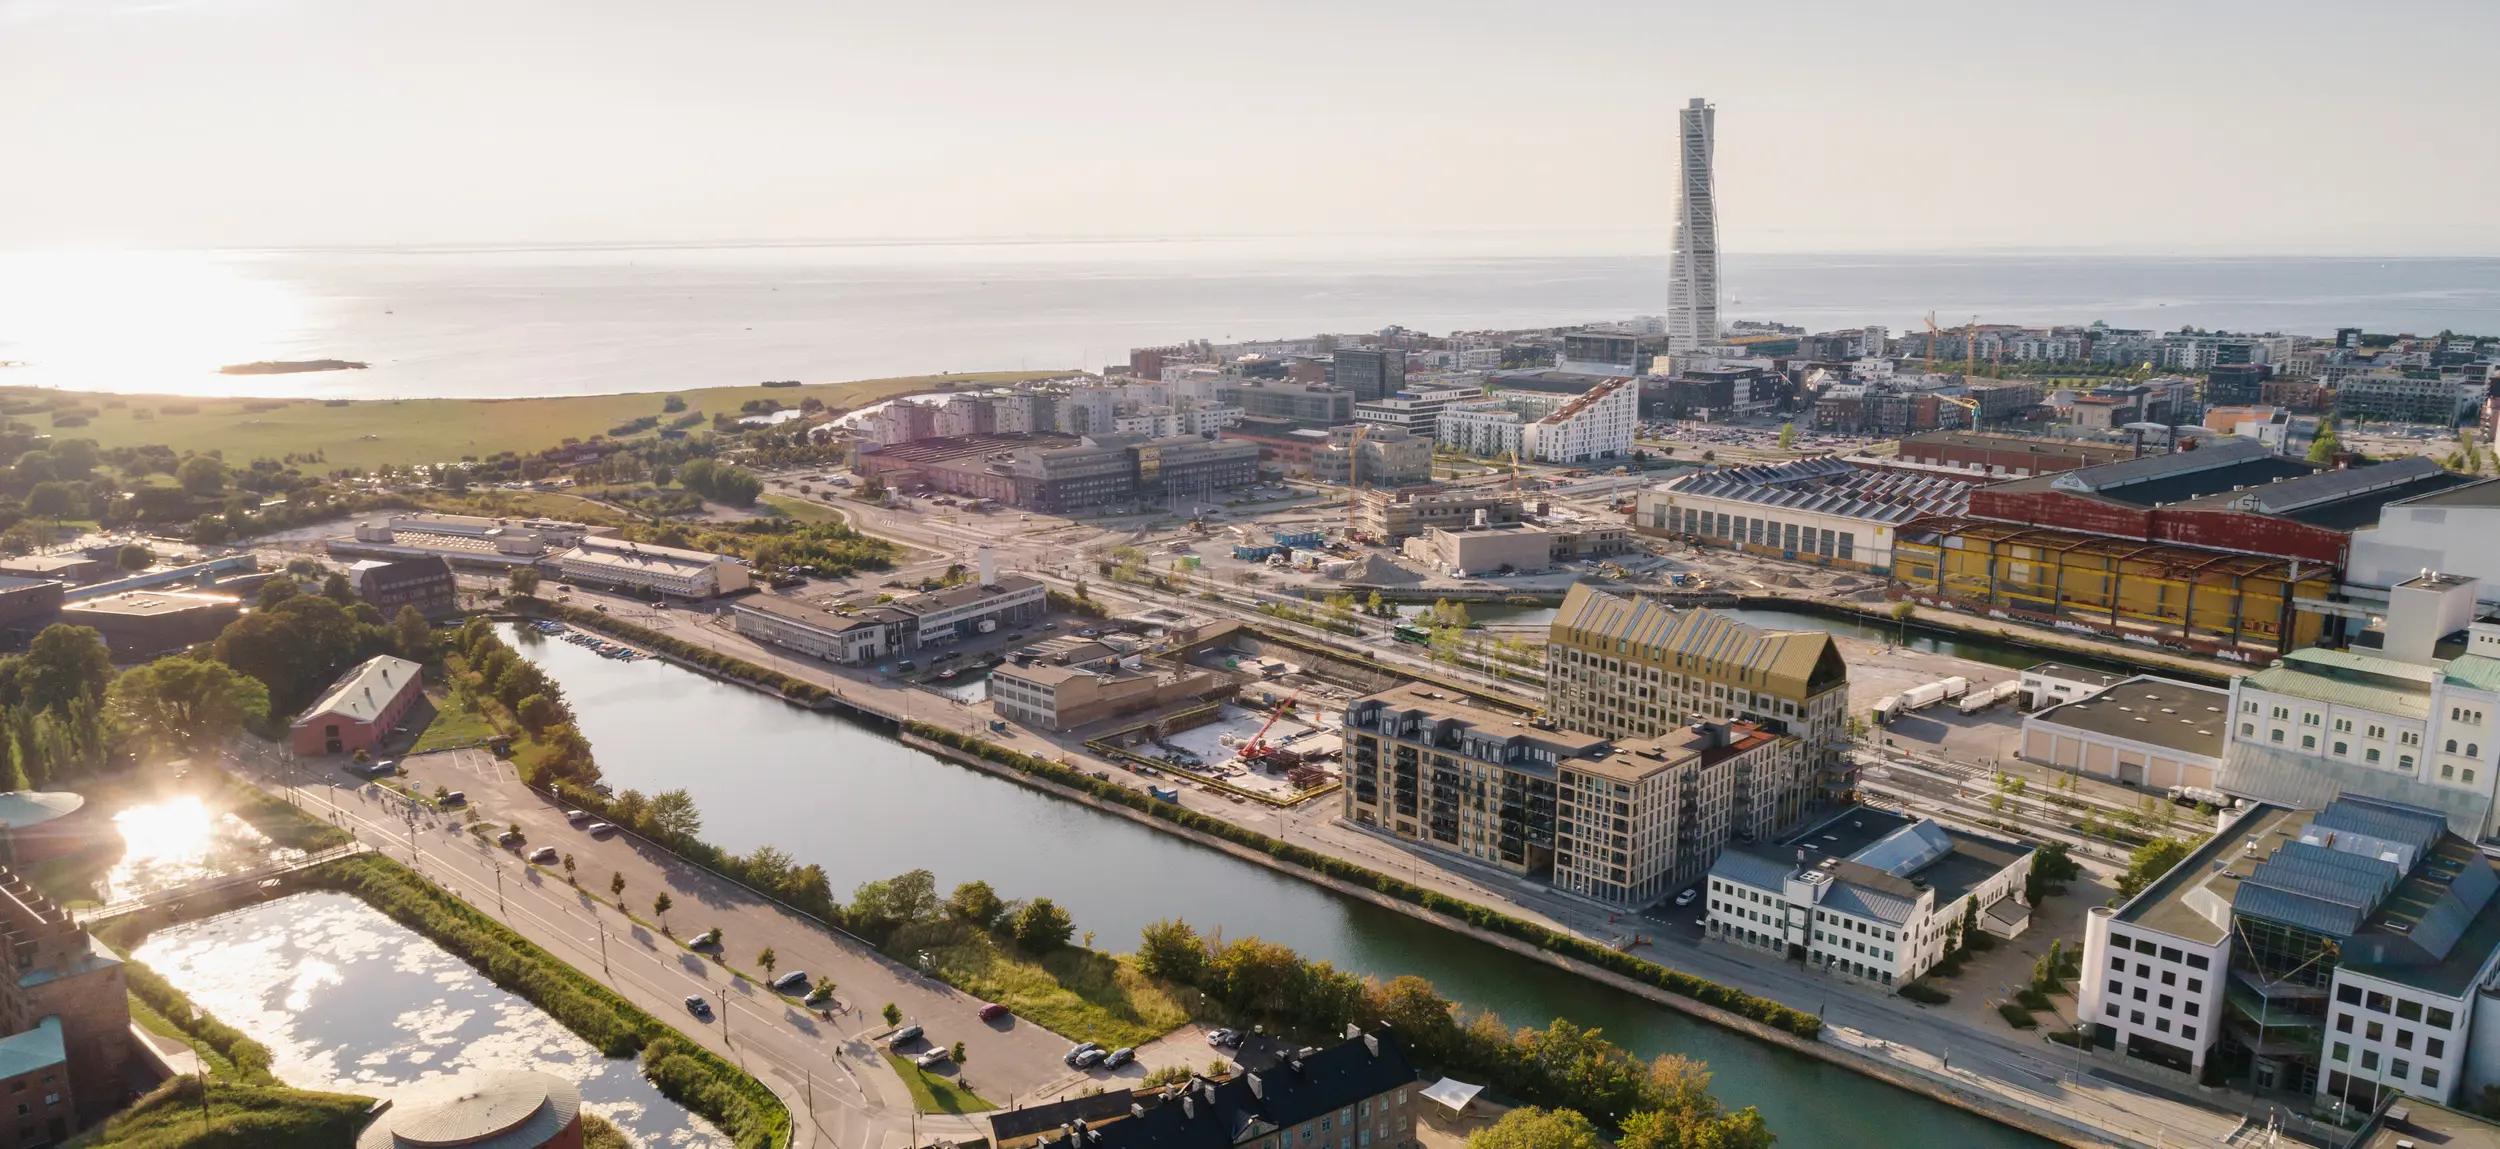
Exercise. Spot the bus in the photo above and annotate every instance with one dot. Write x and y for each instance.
(1409, 632)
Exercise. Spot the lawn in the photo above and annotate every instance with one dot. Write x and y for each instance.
(936, 1094)
(239, 1116)
(1076, 993)
(377, 432)
(803, 510)
(456, 723)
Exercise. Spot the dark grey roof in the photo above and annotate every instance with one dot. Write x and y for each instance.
(2481, 493)
(1829, 486)
(2127, 472)
(1245, 1106)
(2391, 821)
(1763, 867)
(2158, 711)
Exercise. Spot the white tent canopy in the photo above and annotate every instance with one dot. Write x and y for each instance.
(1452, 1093)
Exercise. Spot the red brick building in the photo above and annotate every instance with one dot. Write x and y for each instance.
(362, 708)
(67, 1016)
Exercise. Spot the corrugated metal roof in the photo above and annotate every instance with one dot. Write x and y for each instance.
(2310, 782)
(1644, 628)
(2108, 475)
(2331, 486)
(1761, 867)
(2475, 670)
(2391, 821)
(1907, 850)
(2320, 915)
(2369, 694)
(1867, 902)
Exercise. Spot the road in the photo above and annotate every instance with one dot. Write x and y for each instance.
(828, 1071)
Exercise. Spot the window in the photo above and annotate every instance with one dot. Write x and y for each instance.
(2377, 1002)
(2348, 994)
(2343, 726)
(2343, 1022)
(2195, 961)
(2400, 1069)
(2188, 1032)
(2248, 730)
(2434, 1047)
(2409, 1010)
(2110, 1009)
(2440, 1019)
(2370, 755)
(2342, 1052)
(2369, 1059)
(2452, 746)
(2135, 1017)
(2274, 736)
(2340, 751)
(2404, 1039)
(2374, 1031)
(2404, 762)
(2308, 741)
(2430, 1077)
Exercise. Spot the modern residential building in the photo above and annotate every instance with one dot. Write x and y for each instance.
(1867, 894)
(1596, 425)
(1361, 1092)
(1693, 273)
(1416, 410)
(1383, 457)
(1313, 405)
(1490, 428)
(1635, 668)
(1814, 510)
(66, 1012)
(425, 583)
(2144, 731)
(143, 623)
(1370, 373)
(1625, 821)
(649, 568)
(361, 709)
(1605, 353)
(2410, 397)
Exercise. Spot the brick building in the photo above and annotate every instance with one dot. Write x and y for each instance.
(424, 583)
(362, 708)
(67, 1014)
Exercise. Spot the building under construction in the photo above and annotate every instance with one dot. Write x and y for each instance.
(2205, 549)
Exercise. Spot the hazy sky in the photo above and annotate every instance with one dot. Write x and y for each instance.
(2274, 126)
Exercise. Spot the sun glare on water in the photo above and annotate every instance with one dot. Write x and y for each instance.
(138, 321)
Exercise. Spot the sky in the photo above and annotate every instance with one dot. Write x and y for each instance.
(2277, 127)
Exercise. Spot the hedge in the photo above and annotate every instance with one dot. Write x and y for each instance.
(1735, 1001)
(727, 666)
(1923, 992)
(250, 1058)
(687, 1073)
(2017, 1016)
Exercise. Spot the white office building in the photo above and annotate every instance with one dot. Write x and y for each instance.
(629, 566)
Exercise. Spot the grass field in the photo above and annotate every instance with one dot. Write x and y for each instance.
(936, 1094)
(1076, 993)
(239, 1116)
(803, 510)
(381, 432)
(456, 723)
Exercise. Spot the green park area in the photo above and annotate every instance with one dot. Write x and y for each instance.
(373, 433)
(935, 1094)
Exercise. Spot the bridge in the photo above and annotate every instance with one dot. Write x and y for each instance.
(271, 872)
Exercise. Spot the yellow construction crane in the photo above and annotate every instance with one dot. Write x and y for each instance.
(1971, 405)
(1931, 342)
(1970, 349)
(1514, 470)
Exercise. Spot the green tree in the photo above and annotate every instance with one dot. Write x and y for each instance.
(335, 589)
(64, 663)
(202, 476)
(956, 1053)
(976, 903)
(2326, 444)
(1172, 950)
(616, 888)
(1529, 1127)
(55, 501)
(539, 713)
(892, 1013)
(2149, 862)
(184, 704)
(524, 581)
(768, 959)
(412, 635)
(659, 910)
(569, 866)
(673, 813)
(1788, 435)
(1042, 926)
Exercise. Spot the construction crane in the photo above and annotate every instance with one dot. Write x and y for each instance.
(1970, 349)
(1931, 342)
(1514, 470)
(1257, 747)
(1353, 475)
(1970, 405)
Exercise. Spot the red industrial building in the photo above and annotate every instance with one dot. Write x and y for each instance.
(362, 709)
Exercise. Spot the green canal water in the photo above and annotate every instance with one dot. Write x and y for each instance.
(864, 806)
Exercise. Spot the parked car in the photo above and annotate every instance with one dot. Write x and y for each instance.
(1090, 1058)
(599, 829)
(1224, 1038)
(930, 1058)
(508, 838)
(1686, 898)
(903, 1036)
(697, 1005)
(1119, 1057)
(791, 982)
(577, 817)
(993, 1011)
(544, 856)
(1081, 1049)
(456, 798)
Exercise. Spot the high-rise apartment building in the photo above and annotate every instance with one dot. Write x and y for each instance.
(1693, 288)
(1371, 373)
(1633, 668)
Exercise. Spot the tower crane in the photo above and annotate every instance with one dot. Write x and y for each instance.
(1353, 475)
(1257, 748)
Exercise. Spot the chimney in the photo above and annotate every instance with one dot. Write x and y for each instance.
(989, 567)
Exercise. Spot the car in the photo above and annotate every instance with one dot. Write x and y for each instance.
(930, 1058)
(950, 656)
(544, 856)
(577, 817)
(1686, 898)
(906, 664)
(993, 1011)
(599, 829)
(1050, 626)
(456, 798)
(698, 1006)
(1089, 632)
(1090, 1058)
(1224, 1038)
(508, 838)
(1118, 1057)
(1081, 1049)
(791, 982)
(947, 675)
(904, 1036)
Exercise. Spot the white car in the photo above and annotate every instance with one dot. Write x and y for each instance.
(1686, 898)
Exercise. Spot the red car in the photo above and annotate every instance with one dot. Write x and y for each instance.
(993, 1012)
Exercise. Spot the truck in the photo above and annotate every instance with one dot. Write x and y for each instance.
(1170, 794)
(1987, 696)
(1885, 710)
(1922, 696)
(1955, 687)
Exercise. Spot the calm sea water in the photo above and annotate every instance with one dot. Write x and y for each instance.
(579, 321)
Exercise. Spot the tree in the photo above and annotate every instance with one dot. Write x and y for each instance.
(955, 1053)
(211, 530)
(674, 815)
(62, 664)
(1172, 950)
(184, 704)
(2326, 444)
(975, 903)
(412, 635)
(202, 476)
(2149, 862)
(768, 959)
(1529, 1127)
(1788, 435)
(25, 537)
(880, 906)
(53, 501)
(1042, 926)
(659, 910)
(335, 589)
(892, 1013)
(2051, 867)
(539, 712)
(275, 591)
(524, 581)
(569, 875)
(616, 888)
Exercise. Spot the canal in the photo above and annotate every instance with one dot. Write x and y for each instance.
(864, 806)
(349, 1000)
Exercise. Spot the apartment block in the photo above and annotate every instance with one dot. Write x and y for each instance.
(1635, 668)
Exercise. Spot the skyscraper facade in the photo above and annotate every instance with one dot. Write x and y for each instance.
(1693, 293)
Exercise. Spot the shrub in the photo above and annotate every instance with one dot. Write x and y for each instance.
(2017, 1016)
(1920, 991)
(2034, 999)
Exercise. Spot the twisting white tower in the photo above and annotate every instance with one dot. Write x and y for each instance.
(1693, 293)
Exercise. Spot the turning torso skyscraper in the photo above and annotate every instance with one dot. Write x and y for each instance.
(1693, 294)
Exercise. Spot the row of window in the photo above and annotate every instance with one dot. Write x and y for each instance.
(2398, 1068)
(2160, 1024)
(1764, 533)
(2377, 1031)
(2403, 1008)
(2119, 941)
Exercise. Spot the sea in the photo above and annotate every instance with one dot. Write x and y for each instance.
(470, 322)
